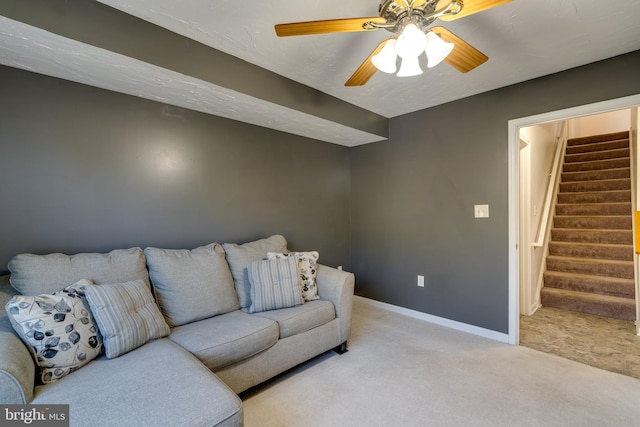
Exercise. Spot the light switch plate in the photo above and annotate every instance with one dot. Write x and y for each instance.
(481, 211)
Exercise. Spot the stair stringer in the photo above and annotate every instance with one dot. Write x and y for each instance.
(633, 152)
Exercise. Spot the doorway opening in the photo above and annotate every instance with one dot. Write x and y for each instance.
(514, 155)
(577, 297)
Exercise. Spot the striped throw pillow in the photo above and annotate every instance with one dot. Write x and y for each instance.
(307, 271)
(274, 284)
(126, 315)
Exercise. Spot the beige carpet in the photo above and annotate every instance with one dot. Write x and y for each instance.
(610, 344)
(401, 371)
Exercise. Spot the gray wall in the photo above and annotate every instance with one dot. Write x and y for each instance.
(413, 196)
(84, 169)
(90, 170)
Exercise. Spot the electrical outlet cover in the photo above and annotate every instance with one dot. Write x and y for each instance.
(481, 211)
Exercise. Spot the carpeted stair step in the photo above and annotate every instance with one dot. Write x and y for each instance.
(593, 209)
(597, 138)
(595, 175)
(616, 237)
(598, 305)
(597, 165)
(624, 288)
(600, 185)
(596, 267)
(598, 146)
(597, 155)
(613, 196)
(591, 250)
(617, 222)
(589, 266)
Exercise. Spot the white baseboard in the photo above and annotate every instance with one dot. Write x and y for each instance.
(459, 326)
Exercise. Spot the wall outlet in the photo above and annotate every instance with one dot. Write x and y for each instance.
(340, 267)
(421, 281)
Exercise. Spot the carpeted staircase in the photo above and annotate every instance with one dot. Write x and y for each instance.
(590, 262)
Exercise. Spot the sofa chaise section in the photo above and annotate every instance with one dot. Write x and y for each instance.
(158, 384)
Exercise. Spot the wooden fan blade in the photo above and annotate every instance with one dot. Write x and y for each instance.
(366, 70)
(324, 27)
(463, 57)
(473, 6)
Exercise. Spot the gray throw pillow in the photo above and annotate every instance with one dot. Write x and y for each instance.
(45, 274)
(193, 284)
(126, 315)
(274, 284)
(239, 257)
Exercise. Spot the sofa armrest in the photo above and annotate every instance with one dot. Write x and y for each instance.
(337, 286)
(17, 369)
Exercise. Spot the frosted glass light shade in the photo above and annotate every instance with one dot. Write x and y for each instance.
(411, 42)
(437, 49)
(410, 67)
(385, 60)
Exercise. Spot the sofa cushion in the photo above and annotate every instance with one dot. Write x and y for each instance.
(274, 284)
(296, 320)
(158, 384)
(193, 284)
(223, 340)
(126, 315)
(45, 274)
(58, 329)
(307, 271)
(239, 257)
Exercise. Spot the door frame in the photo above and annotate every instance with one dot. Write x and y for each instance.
(525, 221)
(514, 126)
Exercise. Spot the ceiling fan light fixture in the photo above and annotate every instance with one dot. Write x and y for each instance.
(410, 66)
(411, 42)
(385, 60)
(436, 49)
(412, 19)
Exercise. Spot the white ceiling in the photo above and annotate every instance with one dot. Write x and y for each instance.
(524, 39)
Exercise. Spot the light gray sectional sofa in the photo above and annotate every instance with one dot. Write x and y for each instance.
(181, 333)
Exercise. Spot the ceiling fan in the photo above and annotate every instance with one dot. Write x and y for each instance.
(409, 21)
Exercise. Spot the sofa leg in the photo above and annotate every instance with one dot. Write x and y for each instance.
(342, 348)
